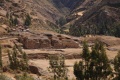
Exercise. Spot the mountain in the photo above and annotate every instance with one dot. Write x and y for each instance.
(44, 13)
(100, 17)
(77, 17)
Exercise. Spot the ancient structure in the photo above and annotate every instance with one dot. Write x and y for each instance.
(47, 41)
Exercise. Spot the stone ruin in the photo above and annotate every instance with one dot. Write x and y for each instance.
(47, 41)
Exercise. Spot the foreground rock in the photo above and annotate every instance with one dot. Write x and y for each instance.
(37, 70)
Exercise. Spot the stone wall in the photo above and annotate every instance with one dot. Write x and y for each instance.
(57, 42)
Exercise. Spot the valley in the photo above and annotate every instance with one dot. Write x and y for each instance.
(31, 31)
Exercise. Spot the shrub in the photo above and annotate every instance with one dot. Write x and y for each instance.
(57, 67)
(24, 77)
(4, 77)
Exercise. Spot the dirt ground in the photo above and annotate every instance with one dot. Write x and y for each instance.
(112, 48)
(44, 64)
(111, 54)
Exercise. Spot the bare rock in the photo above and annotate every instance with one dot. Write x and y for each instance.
(37, 70)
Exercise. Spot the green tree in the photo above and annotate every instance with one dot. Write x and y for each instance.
(27, 20)
(75, 31)
(11, 21)
(7, 15)
(85, 51)
(117, 66)
(95, 66)
(117, 30)
(24, 76)
(61, 21)
(10, 59)
(99, 62)
(25, 61)
(79, 70)
(17, 63)
(4, 77)
(1, 64)
(15, 22)
(57, 67)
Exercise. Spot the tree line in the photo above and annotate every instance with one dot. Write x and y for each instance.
(94, 65)
(17, 62)
(100, 29)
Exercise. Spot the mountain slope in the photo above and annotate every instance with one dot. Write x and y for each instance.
(86, 16)
(44, 13)
(101, 18)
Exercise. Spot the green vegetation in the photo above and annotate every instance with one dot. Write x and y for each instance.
(117, 30)
(12, 21)
(75, 31)
(15, 62)
(15, 21)
(1, 63)
(4, 77)
(101, 29)
(57, 67)
(95, 64)
(24, 76)
(27, 20)
(61, 21)
(117, 66)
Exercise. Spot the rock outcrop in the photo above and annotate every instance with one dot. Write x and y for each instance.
(45, 41)
(37, 70)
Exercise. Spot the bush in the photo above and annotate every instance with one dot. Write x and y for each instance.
(27, 20)
(57, 67)
(24, 77)
(4, 77)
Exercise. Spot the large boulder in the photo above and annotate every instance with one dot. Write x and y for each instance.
(34, 70)
(37, 70)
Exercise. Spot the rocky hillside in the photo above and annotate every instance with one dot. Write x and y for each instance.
(100, 17)
(44, 13)
(84, 16)
(47, 12)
